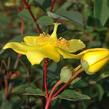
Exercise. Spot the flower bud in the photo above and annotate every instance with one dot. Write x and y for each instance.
(94, 59)
(66, 73)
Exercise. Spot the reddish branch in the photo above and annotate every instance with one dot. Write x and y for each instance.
(6, 86)
(22, 25)
(68, 83)
(51, 93)
(45, 66)
(78, 70)
(33, 17)
(52, 5)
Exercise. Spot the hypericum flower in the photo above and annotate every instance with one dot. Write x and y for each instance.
(36, 48)
(93, 60)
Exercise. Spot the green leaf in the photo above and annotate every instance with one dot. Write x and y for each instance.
(28, 89)
(72, 95)
(45, 20)
(25, 14)
(19, 89)
(100, 91)
(75, 17)
(4, 20)
(101, 10)
(6, 105)
(55, 16)
(13, 102)
(104, 73)
(36, 1)
(32, 90)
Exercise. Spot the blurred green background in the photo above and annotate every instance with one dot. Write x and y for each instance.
(87, 20)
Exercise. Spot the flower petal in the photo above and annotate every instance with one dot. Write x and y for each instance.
(35, 57)
(30, 40)
(66, 54)
(75, 45)
(50, 52)
(93, 61)
(91, 50)
(17, 47)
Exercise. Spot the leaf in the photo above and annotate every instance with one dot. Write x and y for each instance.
(75, 17)
(55, 16)
(25, 14)
(3, 20)
(45, 20)
(19, 89)
(13, 102)
(81, 83)
(72, 95)
(28, 89)
(52, 67)
(100, 91)
(104, 73)
(31, 90)
(101, 9)
(40, 1)
(6, 105)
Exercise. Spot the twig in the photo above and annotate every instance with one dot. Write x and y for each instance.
(6, 86)
(77, 72)
(33, 17)
(17, 61)
(45, 66)
(51, 93)
(52, 5)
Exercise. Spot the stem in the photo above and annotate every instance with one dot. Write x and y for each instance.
(17, 61)
(78, 70)
(33, 17)
(45, 86)
(51, 93)
(6, 86)
(52, 5)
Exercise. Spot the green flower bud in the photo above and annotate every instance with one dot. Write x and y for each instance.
(66, 73)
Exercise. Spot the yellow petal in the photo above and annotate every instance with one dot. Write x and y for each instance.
(17, 47)
(94, 60)
(91, 50)
(96, 67)
(30, 40)
(54, 34)
(66, 54)
(35, 57)
(75, 45)
(50, 52)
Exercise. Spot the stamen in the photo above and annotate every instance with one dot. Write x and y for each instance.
(62, 43)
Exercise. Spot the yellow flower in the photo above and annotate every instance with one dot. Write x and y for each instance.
(93, 60)
(36, 48)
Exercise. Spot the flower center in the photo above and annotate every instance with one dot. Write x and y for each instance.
(45, 39)
(63, 43)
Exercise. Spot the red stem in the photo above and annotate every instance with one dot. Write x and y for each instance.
(52, 5)
(51, 93)
(45, 66)
(68, 83)
(6, 86)
(33, 17)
